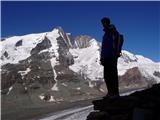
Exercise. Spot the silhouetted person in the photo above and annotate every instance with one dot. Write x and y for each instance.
(109, 56)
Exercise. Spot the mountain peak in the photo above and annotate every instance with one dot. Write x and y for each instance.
(81, 41)
(59, 29)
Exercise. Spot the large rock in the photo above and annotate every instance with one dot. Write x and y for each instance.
(142, 105)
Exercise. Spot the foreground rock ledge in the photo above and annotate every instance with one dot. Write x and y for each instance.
(142, 105)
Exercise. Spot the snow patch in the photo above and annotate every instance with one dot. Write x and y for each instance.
(78, 88)
(52, 99)
(29, 61)
(55, 87)
(42, 51)
(90, 84)
(23, 73)
(9, 90)
(60, 72)
(41, 97)
(38, 76)
(102, 90)
(64, 84)
(25, 88)
(53, 63)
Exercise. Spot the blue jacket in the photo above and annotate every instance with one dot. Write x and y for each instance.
(109, 43)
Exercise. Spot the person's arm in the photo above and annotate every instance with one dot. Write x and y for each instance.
(103, 48)
(102, 54)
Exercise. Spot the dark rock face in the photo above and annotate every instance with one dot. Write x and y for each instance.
(9, 78)
(133, 78)
(82, 41)
(46, 43)
(156, 73)
(2, 39)
(69, 41)
(143, 105)
(65, 57)
(38, 70)
(19, 43)
(5, 54)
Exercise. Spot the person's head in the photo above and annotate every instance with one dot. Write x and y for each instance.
(105, 22)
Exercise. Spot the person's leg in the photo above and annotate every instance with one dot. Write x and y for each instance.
(107, 76)
(114, 78)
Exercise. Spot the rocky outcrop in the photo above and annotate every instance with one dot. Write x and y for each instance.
(41, 46)
(5, 54)
(82, 41)
(133, 78)
(19, 43)
(142, 105)
(156, 73)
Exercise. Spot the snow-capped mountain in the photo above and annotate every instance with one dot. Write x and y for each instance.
(55, 66)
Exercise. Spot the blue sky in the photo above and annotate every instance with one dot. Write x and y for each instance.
(137, 21)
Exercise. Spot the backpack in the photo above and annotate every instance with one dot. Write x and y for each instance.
(118, 40)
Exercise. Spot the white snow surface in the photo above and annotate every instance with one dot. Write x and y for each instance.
(53, 63)
(23, 73)
(52, 99)
(9, 90)
(15, 54)
(87, 61)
